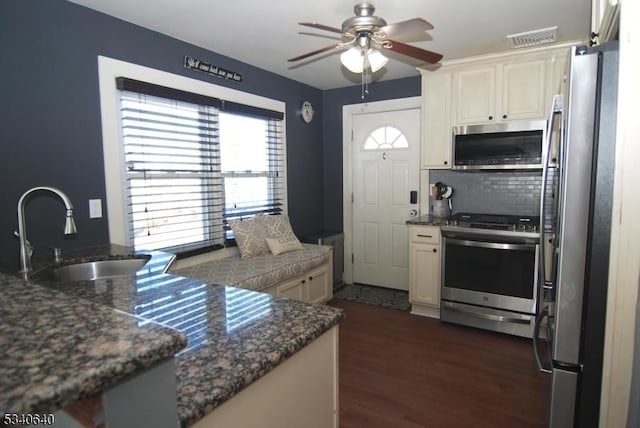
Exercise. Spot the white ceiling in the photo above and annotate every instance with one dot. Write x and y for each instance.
(264, 33)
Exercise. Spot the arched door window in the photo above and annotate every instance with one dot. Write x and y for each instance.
(386, 138)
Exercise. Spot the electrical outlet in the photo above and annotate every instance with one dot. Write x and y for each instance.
(95, 208)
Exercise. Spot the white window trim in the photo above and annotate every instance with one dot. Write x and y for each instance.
(114, 174)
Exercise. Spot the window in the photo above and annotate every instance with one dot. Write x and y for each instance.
(192, 162)
(251, 164)
(386, 137)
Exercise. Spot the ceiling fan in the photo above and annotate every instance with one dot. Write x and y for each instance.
(366, 36)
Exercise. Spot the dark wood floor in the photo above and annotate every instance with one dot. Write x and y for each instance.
(403, 371)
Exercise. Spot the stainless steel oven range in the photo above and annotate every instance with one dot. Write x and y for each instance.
(490, 266)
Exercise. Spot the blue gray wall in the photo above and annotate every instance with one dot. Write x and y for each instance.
(50, 116)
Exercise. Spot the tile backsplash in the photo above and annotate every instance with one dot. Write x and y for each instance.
(509, 192)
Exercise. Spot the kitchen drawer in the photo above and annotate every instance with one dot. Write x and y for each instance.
(425, 235)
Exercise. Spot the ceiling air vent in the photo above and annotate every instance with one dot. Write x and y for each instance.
(533, 38)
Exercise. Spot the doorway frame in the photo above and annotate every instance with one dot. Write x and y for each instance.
(348, 111)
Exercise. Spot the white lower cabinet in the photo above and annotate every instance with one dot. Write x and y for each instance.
(424, 270)
(319, 285)
(293, 289)
(300, 392)
(315, 286)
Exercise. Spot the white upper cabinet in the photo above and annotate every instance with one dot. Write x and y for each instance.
(436, 120)
(524, 86)
(605, 20)
(487, 90)
(500, 92)
(475, 94)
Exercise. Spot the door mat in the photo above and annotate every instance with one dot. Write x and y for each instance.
(378, 296)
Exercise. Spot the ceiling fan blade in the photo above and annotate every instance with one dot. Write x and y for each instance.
(321, 27)
(312, 53)
(413, 26)
(412, 51)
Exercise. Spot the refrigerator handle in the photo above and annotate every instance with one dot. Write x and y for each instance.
(556, 110)
(543, 367)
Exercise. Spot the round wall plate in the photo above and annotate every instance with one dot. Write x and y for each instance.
(306, 110)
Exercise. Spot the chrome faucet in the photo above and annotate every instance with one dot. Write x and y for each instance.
(25, 250)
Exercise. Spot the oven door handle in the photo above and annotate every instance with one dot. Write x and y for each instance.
(492, 245)
(491, 317)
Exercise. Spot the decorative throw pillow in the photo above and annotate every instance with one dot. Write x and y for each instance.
(280, 236)
(250, 235)
(277, 226)
(284, 244)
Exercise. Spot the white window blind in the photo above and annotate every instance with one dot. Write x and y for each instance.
(252, 160)
(173, 173)
(190, 166)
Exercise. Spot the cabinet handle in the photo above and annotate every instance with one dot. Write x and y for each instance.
(490, 117)
(504, 116)
(446, 162)
(424, 236)
(310, 278)
(435, 250)
(303, 281)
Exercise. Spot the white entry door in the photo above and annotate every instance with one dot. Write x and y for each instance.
(385, 165)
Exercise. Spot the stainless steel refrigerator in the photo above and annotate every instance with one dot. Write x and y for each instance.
(576, 212)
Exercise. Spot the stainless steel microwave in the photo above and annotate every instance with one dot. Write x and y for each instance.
(508, 145)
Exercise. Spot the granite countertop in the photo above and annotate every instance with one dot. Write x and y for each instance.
(57, 348)
(427, 220)
(234, 336)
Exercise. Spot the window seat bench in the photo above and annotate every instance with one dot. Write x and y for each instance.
(305, 274)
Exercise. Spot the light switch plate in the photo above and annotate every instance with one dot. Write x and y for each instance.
(95, 208)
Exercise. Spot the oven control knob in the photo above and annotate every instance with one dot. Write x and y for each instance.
(455, 223)
(513, 227)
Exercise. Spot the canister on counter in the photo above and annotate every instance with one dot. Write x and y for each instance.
(440, 208)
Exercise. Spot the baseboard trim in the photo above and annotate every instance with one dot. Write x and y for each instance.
(425, 311)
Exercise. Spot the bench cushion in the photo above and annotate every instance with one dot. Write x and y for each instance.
(258, 272)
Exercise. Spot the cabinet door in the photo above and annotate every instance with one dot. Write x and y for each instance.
(524, 90)
(475, 95)
(436, 120)
(319, 285)
(424, 284)
(294, 289)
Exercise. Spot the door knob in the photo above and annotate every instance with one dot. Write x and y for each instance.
(413, 213)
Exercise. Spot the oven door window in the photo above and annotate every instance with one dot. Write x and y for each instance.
(497, 268)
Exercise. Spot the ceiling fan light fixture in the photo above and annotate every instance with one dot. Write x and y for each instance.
(376, 60)
(354, 59)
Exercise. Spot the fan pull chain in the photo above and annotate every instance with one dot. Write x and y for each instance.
(364, 79)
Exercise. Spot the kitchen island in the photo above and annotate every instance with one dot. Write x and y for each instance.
(235, 337)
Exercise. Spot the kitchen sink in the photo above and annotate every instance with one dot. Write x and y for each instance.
(101, 269)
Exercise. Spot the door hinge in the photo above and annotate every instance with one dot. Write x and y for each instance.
(352, 135)
(352, 197)
(353, 258)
